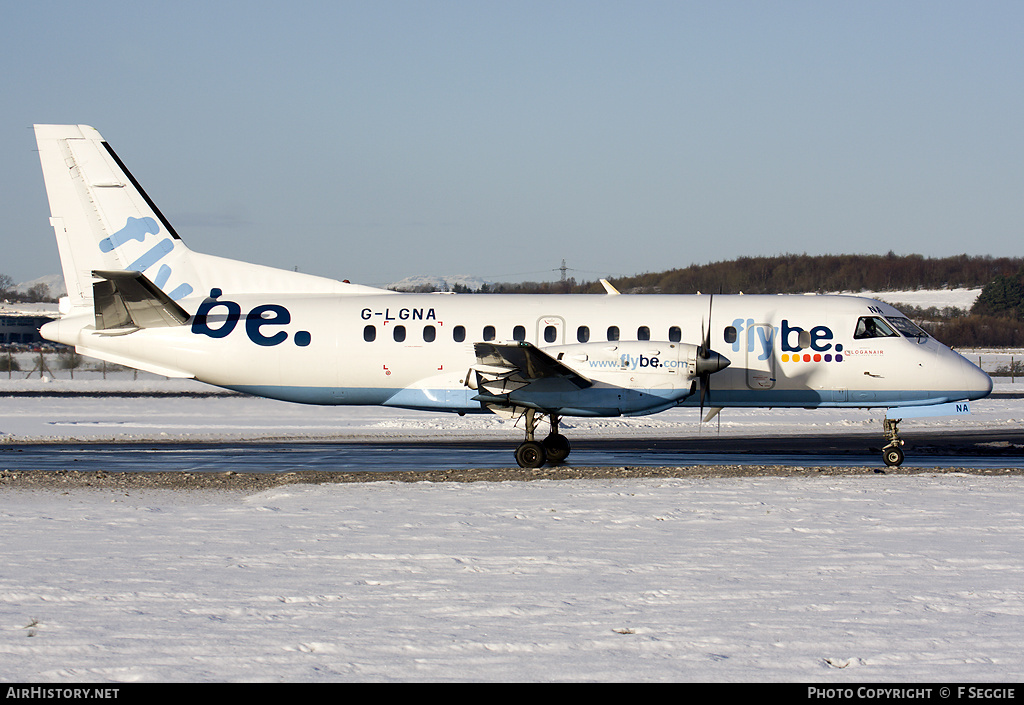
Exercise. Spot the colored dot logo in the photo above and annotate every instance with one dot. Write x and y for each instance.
(807, 357)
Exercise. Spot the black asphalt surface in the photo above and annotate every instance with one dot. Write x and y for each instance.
(980, 449)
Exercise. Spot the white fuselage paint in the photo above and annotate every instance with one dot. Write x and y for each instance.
(416, 360)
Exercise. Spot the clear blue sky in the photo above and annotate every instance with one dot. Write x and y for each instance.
(379, 139)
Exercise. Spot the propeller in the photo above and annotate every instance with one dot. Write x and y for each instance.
(708, 361)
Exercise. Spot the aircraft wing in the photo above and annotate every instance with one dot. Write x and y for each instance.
(530, 363)
(504, 369)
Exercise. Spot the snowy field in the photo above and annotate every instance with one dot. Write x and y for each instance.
(827, 580)
(26, 418)
(927, 298)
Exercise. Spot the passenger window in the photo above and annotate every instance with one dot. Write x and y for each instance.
(643, 333)
(370, 333)
(730, 334)
(873, 327)
(489, 333)
(399, 334)
(459, 334)
(675, 334)
(613, 333)
(583, 334)
(519, 333)
(429, 334)
(550, 334)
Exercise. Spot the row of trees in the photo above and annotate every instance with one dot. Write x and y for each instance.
(38, 292)
(798, 274)
(977, 331)
(995, 320)
(1003, 296)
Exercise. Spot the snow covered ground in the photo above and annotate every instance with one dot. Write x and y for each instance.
(825, 580)
(234, 417)
(927, 298)
(830, 580)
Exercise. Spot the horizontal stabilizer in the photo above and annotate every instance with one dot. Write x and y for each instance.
(127, 301)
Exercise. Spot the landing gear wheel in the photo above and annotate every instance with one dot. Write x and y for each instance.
(556, 447)
(530, 455)
(893, 456)
(892, 453)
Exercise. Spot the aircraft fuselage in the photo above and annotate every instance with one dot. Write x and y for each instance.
(414, 350)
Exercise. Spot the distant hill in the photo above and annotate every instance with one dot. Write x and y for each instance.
(797, 274)
(53, 282)
(451, 282)
(779, 274)
(939, 293)
(785, 274)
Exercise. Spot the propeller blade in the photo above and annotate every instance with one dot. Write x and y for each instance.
(708, 362)
(704, 349)
(712, 413)
(707, 340)
(704, 355)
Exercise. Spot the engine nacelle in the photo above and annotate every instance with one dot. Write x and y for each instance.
(611, 379)
(643, 364)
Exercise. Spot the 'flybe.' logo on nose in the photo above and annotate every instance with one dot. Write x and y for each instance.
(137, 229)
(796, 344)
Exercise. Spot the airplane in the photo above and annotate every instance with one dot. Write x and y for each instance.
(137, 296)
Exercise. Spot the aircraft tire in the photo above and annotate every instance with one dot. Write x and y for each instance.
(893, 457)
(556, 448)
(530, 455)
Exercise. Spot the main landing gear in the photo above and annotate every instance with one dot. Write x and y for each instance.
(553, 449)
(892, 453)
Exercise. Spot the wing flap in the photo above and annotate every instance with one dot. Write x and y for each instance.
(519, 374)
(527, 362)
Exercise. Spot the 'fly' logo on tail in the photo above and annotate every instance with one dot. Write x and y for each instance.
(137, 229)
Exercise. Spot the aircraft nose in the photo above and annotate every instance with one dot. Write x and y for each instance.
(977, 383)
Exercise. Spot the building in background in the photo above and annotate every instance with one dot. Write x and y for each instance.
(19, 323)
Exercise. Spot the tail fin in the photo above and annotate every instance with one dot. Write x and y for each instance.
(103, 219)
(105, 222)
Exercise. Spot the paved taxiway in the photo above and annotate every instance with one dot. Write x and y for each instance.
(925, 450)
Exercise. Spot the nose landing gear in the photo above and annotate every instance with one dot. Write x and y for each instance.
(892, 453)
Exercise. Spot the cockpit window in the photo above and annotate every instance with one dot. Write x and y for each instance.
(873, 327)
(907, 327)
